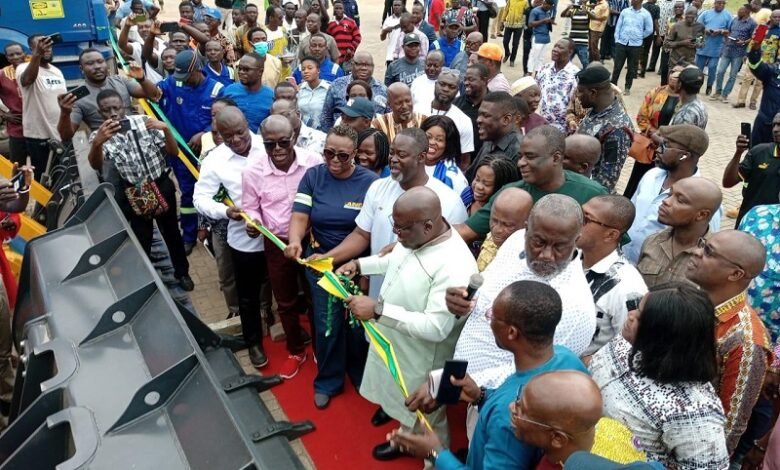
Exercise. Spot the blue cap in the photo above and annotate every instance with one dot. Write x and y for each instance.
(213, 12)
(360, 107)
(185, 63)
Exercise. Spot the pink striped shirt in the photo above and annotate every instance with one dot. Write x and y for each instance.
(267, 193)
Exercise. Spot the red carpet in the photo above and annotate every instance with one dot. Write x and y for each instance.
(344, 437)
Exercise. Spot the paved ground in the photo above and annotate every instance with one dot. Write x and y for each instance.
(723, 127)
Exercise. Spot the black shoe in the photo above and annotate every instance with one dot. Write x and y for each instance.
(650, 69)
(380, 417)
(186, 283)
(386, 452)
(231, 315)
(257, 357)
(188, 247)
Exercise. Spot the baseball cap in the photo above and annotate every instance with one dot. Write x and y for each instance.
(360, 107)
(214, 13)
(450, 17)
(410, 38)
(185, 63)
(691, 76)
(491, 51)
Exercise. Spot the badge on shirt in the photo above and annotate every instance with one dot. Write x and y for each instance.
(353, 205)
(763, 166)
(179, 100)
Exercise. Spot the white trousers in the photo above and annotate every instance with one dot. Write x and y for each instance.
(537, 56)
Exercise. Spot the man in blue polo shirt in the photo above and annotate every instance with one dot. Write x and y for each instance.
(318, 48)
(186, 97)
(252, 97)
(449, 43)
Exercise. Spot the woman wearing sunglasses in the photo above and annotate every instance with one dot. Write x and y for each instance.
(328, 200)
(656, 378)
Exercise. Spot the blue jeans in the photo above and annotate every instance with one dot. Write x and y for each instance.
(736, 64)
(581, 51)
(342, 352)
(712, 64)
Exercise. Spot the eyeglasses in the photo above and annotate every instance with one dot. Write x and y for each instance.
(587, 220)
(270, 145)
(516, 415)
(491, 316)
(330, 154)
(405, 228)
(710, 252)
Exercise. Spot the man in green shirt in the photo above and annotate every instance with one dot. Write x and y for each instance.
(541, 166)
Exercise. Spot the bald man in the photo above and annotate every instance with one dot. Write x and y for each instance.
(582, 153)
(508, 215)
(223, 168)
(401, 115)
(269, 184)
(523, 318)
(686, 213)
(362, 69)
(566, 401)
(468, 56)
(723, 266)
(410, 307)
(305, 137)
(614, 282)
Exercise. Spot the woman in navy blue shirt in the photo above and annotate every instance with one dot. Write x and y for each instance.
(328, 200)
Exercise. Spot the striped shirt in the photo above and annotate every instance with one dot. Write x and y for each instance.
(579, 27)
(347, 35)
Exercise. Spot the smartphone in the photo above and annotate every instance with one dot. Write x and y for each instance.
(633, 304)
(80, 92)
(760, 33)
(124, 125)
(18, 181)
(169, 27)
(449, 394)
(744, 129)
(139, 18)
(56, 38)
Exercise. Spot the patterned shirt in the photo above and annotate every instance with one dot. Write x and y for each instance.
(612, 127)
(347, 35)
(489, 365)
(667, 13)
(311, 139)
(693, 113)
(744, 353)
(763, 222)
(679, 424)
(337, 97)
(557, 87)
(487, 253)
(613, 281)
(386, 124)
(659, 264)
(741, 30)
(139, 154)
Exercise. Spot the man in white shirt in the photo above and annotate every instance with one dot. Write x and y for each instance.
(307, 138)
(423, 86)
(545, 251)
(411, 309)
(224, 167)
(40, 84)
(374, 222)
(445, 91)
(392, 28)
(677, 158)
(615, 283)
(136, 48)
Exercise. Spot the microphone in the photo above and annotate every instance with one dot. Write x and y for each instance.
(475, 282)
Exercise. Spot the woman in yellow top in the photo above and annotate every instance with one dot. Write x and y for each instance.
(513, 28)
(657, 110)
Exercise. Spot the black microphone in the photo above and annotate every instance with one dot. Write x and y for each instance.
(475, 282)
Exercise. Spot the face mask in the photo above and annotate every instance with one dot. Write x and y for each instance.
(261, 48)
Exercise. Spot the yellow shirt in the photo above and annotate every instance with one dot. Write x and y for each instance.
(601, 10)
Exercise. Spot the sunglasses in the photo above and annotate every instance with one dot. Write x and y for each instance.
(343, 157)
(270, 145)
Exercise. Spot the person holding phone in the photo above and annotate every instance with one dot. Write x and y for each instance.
(40, 83)
(733, 53)
(523, 319)
(137, 147)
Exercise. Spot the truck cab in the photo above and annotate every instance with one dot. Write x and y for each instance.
(82, 24)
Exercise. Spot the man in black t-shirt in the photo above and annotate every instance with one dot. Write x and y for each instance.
(653, 41)
(759, 171)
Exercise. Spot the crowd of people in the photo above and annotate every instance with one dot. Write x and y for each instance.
(600, 315)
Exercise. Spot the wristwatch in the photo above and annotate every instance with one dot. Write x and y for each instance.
(433, 455)
(378, 307)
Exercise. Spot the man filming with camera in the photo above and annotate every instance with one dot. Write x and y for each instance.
(130, 153)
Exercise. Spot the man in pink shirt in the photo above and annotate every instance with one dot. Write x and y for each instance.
(269, 185)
